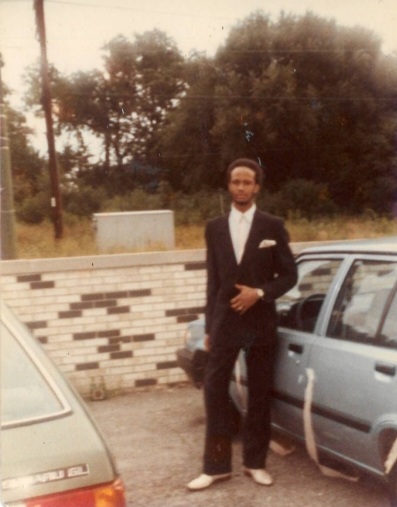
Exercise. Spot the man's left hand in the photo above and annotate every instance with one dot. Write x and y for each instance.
(246, 298)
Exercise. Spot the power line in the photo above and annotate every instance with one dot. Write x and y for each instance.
(135, 9)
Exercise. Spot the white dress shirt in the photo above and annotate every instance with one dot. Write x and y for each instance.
(240, 226)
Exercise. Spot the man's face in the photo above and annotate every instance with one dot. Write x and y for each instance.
(243, 187)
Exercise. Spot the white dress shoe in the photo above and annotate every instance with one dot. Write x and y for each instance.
(259, 475)
(204, 481)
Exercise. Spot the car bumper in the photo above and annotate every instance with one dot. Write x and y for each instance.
(193, 364)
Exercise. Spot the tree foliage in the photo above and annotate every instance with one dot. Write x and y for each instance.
(124, 104)
(313, 102)
(308, 99)
(27, 165)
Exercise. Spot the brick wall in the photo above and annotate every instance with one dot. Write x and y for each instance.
(109, 321)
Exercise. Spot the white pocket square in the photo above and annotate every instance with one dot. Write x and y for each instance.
(265, 243)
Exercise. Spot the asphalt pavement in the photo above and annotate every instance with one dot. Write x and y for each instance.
(156, 437)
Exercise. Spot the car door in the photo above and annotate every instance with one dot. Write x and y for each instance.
(300, 312)
(355, 374)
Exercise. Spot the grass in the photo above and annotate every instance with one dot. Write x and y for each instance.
(37, 241)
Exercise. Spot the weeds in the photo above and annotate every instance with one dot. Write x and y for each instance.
(37, 241)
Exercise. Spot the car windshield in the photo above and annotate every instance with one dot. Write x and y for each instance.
(27, 393)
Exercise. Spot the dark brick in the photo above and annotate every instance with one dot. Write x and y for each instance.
(42, 285)
(166, 365)
(118, 309)
(28, 278)
(92, 297)
(70, 314)
(123, 354)
(116, 295)
(184, 311)
(42, 339)
(36, 325)
(186, 318)
(175, 313)
(143, 337)
(81, 306)
(88, 335)
(145, 382)
(105, 303)
(119, 339)
(87, 366)
(108, 333)
(195, 266)
(139, 293)
(108, 348)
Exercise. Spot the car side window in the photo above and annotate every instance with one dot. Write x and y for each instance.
(388, 336)
(362, 300)
(300, 307)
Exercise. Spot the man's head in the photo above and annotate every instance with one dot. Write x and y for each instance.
(250, 164)
(244, 179)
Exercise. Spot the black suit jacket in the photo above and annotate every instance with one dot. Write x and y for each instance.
(271, 268)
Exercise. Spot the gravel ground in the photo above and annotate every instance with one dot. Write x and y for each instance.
(157, 435)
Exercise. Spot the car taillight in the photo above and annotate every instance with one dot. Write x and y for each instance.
(110, 495)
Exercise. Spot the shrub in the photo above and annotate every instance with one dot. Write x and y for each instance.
(192, 209)
(300, 198)
(136, 200)
(83, 202)
(34, 210)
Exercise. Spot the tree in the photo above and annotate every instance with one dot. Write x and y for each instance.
(27, 165)
(126, 103)
(184, 145)
(307, 98)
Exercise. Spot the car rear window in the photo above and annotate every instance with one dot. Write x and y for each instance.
(28, 393)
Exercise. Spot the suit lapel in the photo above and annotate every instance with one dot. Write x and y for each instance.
(225, 239)
(224, 233)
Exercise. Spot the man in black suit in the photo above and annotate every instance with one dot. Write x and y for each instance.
(249, 265)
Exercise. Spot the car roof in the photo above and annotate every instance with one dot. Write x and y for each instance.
(385, 245)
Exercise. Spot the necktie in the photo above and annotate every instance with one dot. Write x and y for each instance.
(242, 237)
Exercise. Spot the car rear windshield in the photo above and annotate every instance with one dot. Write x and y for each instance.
(28, 393)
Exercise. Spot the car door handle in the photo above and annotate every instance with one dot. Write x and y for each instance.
(385, 369)
(294, 347)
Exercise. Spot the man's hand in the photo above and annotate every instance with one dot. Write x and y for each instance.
(246, 298)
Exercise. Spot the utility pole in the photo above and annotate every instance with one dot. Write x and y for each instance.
(56, 200)
(8, 248)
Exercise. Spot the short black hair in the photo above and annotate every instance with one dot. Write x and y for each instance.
(250, 164)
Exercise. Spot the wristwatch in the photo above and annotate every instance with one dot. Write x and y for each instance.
(261, 293)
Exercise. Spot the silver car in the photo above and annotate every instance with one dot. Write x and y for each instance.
(335, 385)
(51, 453)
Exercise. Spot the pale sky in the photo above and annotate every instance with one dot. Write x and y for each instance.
(76, 29)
